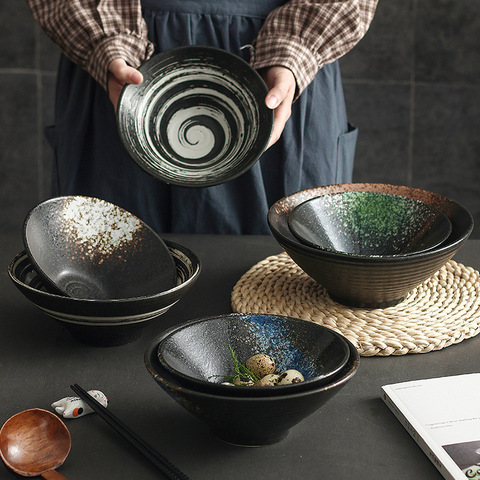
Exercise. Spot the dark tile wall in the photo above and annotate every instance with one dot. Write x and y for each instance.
(412, 87)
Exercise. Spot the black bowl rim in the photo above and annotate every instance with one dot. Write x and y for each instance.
(113, 301)
(254, 392)
(154, 367)
(295, 244)
(362, 255)
(268, 113)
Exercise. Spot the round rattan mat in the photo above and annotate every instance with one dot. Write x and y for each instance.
(442, 311)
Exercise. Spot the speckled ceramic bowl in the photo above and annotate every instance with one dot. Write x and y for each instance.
(249, 421)
(197, 119)
(197, 351)
(86, 247)
(105, 322)
(376, 281)
(369, 224)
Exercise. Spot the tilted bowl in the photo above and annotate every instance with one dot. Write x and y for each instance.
(252, 420)
(105, 322)
(85, 247)
(198, 118)
(198, 352)
(375, 281)
(369, 223)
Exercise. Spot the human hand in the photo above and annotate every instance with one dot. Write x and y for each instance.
(281, 84)
(119, 73)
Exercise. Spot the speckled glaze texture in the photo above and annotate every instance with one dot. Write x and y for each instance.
(197, 351)
(105, 322)
(249, 420)
(369, 223)
(376, 281)
(198, 118)
(89, 248)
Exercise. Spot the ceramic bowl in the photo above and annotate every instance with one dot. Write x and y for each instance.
(369, 223)
(376, 281)
(197, 119)
(85, 247)
(105, 322)
(249, 421)
(197, 351)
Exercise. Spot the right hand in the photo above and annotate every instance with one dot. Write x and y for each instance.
(119, 73)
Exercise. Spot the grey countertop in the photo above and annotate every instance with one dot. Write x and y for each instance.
(352, 436)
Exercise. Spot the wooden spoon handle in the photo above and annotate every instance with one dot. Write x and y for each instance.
(53, 475)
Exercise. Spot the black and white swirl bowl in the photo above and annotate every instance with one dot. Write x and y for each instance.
(198, 119)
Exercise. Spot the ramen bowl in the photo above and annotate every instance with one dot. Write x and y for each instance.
(86, 247)
(249, 420)
(198, 118)
(199, 352)
(368, 224)
(105, 322)
(369, 281)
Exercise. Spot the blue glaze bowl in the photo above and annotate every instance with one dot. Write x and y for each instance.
(197, 352)
(369, 223)
(249, 420)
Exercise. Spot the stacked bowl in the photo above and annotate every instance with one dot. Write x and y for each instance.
(190, 362)
(98, 269)
(354, 272)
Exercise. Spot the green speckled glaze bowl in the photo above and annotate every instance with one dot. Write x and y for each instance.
(369, 223)
(369, 281)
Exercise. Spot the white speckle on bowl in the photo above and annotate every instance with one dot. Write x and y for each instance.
(99, 226)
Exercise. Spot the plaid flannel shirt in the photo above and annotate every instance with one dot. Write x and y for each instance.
(301, 35)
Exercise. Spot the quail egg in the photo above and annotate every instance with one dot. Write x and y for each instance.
(290, 376)
(261, 365)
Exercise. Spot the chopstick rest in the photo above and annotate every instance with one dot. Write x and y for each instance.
(75, 407)
(164, 465)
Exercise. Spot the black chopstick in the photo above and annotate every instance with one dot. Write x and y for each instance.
(164, 465)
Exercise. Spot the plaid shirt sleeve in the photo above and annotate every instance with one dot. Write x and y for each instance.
(301, 35)
(93, 33)
(306, 35)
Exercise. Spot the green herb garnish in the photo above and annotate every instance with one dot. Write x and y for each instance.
(241, 372)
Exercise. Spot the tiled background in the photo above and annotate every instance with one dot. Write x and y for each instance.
(412, 87)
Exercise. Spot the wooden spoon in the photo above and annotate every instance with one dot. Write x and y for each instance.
(35, 442)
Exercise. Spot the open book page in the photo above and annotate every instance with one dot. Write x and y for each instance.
(443, 416)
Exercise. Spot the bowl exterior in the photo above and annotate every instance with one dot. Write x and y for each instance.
(269, 418)
(374, 282)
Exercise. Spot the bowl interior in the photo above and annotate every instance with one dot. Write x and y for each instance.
(198, 118)
(460, 218)
(198, 352)
(88, 248)
(369, 223)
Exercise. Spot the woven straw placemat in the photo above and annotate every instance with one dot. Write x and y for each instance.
(442, 311)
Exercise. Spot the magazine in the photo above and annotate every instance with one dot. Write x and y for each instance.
(443, 417)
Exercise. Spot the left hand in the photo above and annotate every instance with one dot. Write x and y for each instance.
(281, 84)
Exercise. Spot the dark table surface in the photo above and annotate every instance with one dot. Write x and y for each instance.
(352, 436)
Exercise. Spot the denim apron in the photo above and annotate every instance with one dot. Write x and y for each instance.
(316, 147)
